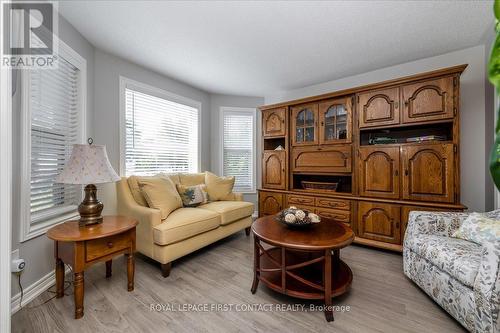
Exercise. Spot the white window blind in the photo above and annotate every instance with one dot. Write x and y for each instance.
(238, 148)
(54, 129)
(161, 135)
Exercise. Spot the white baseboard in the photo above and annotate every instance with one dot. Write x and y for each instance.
(33, 290)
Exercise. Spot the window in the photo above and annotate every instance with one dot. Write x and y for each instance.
(161, 131)
(238, 147)
(53, 119)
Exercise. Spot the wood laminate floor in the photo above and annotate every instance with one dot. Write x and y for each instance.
(382, 299)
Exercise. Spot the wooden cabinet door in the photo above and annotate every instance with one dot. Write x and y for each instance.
(305, 125)
(428, 172)
(274, 169)
(270, 203)
(380, 222)
(274, 122)
(428, 100)
(379, 172)
(326, 159)
(335, 121)
(378, 108)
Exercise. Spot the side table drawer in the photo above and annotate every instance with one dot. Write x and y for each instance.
(101, 247)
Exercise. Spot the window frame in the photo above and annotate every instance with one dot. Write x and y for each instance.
(126, 82)
(253, 113)
(44, 221)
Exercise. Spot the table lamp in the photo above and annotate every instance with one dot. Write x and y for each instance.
(88, 165)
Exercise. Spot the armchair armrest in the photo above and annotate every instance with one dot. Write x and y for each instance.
(433, 223)
(487, 289)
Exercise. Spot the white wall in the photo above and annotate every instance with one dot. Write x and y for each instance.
(108, 69)
(218, 101)
(476, 191)
(39, 252)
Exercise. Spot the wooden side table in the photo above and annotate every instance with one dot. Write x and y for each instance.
(81, 247)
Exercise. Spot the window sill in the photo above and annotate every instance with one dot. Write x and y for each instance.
(42, 226)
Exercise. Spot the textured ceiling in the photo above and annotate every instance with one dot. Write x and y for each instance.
(258, 48)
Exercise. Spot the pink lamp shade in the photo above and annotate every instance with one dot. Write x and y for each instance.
(88, 164)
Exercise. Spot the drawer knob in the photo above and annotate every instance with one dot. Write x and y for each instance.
(110, 244)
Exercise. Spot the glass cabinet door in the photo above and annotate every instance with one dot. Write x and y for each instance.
(335, 121)
(305, 125)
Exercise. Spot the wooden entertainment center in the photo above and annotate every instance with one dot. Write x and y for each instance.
(389, 148)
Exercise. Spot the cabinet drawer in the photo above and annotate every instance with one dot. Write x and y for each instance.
(333, 203)
(98, 248)
(294, 200)
(322, 159)
(335, 214)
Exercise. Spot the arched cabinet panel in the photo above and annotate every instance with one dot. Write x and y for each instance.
(274, 169)
(270, 203)
(429, 100)
(428, 172)
(380, 222)
(274, 122)
(378, 108)
(379, 172)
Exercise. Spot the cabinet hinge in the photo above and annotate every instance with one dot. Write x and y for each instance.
(454, 81)
(454, 111)
(455, 148)
(358, 98)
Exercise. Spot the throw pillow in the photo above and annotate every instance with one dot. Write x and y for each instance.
(191, 179)
(218, 188)
(479, 229)
(160, 193)
(193, 196)
(135, 189)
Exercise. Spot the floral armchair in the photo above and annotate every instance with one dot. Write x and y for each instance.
(461, 276)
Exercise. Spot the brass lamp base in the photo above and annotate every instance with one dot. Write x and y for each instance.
(90, 208)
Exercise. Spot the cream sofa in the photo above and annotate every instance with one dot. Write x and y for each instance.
(185, 230)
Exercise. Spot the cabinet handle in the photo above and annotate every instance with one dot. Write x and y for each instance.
(396, 105)
(396, 173)
(406, 103)
(406, 172)
(110, 244)
(322, 124)
(283, 121)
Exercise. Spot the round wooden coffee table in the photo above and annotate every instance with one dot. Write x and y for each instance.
(302, 263)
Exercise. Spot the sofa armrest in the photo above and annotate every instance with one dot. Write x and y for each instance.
(487, 289)
(433, 223)
(147, 217)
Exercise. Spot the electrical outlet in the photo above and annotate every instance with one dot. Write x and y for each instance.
(16, 265)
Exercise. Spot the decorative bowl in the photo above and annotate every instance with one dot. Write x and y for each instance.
(297, 218)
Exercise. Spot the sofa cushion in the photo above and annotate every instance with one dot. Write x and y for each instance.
(193, 196)
(190, 179)
(218, 188)
(133, 184)
(457, 257)
(160, 193)
(174, 177)
(479, 229)
(184, 223)
(230, 211)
